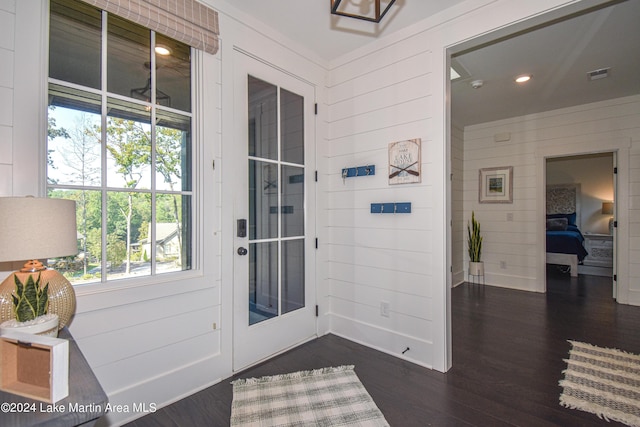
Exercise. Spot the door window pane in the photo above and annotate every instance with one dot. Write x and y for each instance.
(263, 200)
(263, 281)
(74, 43)
(292, 209)
(292, 275)
(263, 119)
(292, 123)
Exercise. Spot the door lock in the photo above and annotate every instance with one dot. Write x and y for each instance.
(242, 251)
(241, 229)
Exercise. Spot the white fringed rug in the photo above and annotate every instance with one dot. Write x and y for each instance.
(602, 381)
(322, 397)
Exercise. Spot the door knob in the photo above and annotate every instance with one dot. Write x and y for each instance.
(242, 251)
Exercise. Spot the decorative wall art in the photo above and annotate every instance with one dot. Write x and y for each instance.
(496, 185)
(404, 162)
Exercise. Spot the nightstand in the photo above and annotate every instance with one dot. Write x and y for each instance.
(600, 248)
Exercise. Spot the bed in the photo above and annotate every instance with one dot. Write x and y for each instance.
(564, 240)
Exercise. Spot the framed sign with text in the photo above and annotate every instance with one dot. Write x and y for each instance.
(404, 162)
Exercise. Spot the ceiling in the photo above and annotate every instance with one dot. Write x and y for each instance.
(558, 56)
(310, 23)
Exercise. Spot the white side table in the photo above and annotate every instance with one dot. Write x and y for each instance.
(600, 248)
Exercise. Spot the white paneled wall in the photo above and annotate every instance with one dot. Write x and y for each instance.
(393, 90)
(458, 221)
(612, 125)
(7, 45)
(380, 258)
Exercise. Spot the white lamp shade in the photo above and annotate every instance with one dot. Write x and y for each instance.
(37, 228)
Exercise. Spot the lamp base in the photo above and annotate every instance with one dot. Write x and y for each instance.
(62, 297)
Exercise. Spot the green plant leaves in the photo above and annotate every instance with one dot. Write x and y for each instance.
(474, 239)
(30, 301)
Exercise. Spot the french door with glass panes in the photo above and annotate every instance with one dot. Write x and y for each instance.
(274, 203)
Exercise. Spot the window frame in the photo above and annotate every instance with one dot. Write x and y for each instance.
(195, 172)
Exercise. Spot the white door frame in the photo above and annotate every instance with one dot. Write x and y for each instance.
(574, 147)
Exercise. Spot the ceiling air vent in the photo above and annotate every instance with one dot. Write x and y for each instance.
(598, 74)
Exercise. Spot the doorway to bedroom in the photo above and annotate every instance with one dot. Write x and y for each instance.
(580, 215)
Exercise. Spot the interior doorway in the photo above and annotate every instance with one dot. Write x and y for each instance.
(580, 216)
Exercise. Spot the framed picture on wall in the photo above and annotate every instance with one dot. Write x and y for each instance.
(404, 162)
(496, 185)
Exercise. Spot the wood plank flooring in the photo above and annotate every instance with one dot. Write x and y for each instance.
(508, 348)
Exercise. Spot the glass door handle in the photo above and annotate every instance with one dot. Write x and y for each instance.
(242, 251)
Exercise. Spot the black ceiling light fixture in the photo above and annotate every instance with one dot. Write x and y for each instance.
(366, 10)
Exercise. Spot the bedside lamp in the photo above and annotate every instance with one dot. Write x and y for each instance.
(607, 209)
(33, 228)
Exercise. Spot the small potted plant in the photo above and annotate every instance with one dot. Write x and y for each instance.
(474, 241)
(30, 306)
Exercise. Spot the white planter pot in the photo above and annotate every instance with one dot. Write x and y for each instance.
(46, 325)
(476, 268)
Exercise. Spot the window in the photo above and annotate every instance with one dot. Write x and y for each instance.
(120, 143)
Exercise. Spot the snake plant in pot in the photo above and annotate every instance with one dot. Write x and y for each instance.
(474, 241)
(30, 306)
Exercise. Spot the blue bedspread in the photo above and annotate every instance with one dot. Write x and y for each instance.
(567, 242)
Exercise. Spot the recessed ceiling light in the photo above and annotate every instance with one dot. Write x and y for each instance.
(523, 78)
(162, 50)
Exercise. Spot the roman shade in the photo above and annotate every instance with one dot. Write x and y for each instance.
(188, 21)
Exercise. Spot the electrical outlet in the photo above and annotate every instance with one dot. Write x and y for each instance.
(384, 309)
(510, 216)
(503, 265)
(215, 326)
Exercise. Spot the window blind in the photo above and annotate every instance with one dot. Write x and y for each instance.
(188, 21)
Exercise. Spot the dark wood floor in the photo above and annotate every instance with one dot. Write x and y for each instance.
(508, 348)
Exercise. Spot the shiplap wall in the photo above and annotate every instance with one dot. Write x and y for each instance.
(604, 126)
(7, 45)
(376, 258)
(389, 91)
(458, 222)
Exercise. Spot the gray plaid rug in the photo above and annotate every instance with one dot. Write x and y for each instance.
(602, 381)
(322, 397)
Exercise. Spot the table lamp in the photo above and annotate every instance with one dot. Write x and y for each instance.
(33, 229)
(607, 209)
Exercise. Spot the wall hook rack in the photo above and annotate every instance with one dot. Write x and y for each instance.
(358, 171)
(391, 208)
